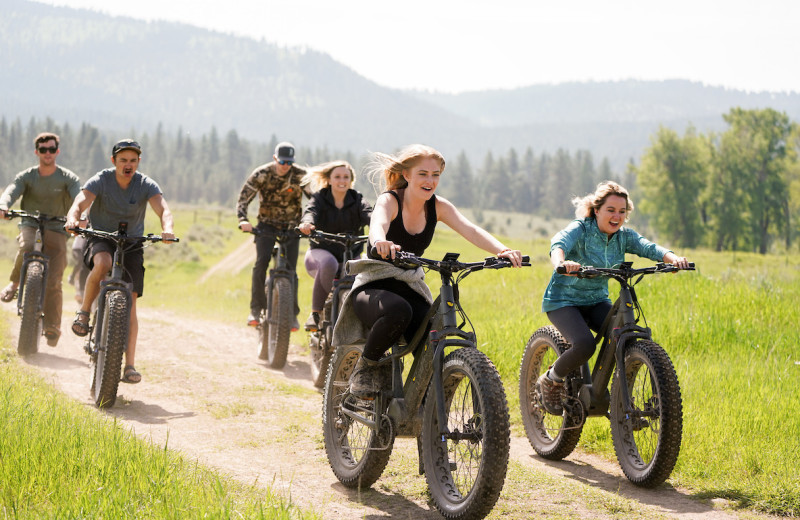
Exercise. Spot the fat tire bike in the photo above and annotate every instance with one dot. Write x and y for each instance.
(275, 322)
(319, 341)
(32, 285)
(644, 405)
(107, 340)
(452, 402)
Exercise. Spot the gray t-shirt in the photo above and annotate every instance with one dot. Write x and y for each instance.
(113, 205)
(51, 194)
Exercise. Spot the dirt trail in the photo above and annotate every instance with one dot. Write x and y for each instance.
(205, 392)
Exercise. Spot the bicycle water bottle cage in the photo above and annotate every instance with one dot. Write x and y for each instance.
(123, 228)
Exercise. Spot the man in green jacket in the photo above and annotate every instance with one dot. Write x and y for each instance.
(48, 189)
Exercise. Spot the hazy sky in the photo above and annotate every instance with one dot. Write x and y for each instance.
(462, 45)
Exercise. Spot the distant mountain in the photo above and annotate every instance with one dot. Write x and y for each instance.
(122, 73)
(606, 102)
(119, 73)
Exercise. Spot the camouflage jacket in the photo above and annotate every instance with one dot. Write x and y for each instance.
(281, 198)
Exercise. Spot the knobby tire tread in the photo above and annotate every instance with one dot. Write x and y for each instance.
(281, 329)
(359, 474)
(488, 392)
(321, 354)
(654, 358)
(30, 327)
(115, 325)
(543, 442)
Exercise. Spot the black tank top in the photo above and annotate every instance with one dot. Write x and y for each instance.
(412, 243)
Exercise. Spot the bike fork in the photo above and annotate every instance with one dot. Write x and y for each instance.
(28, 259)
(622, 342)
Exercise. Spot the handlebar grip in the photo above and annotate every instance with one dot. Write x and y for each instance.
(561, 269)
(526, 258)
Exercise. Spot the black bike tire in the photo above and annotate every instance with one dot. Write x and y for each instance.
(281, 328)
(108, 364)
(486, 393)
(30, 327)
(353, 470)
(645, 354)
(539, 425)
(321, 353)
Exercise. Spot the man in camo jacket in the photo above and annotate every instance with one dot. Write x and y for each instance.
(277, 184)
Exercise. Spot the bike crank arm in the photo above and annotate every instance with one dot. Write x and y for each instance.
(354, 412)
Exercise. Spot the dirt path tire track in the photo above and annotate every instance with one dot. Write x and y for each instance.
(206, 394)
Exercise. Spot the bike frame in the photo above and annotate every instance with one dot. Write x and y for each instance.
(619, 328)
(114, 283)
(343, 282)
(406, 398)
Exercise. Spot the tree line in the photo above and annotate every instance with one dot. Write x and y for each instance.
(211, 168)
(738, 190)
(734, 190)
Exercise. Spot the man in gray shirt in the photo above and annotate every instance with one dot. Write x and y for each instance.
(48, 189)
(115, 195)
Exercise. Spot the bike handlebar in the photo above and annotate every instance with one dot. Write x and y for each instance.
(39, 217)
(339, 238)
(449, 263)
(626, 270)
(116, 236)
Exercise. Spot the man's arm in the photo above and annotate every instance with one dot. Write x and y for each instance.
(159, 205)
(79, 206)
(12, 192)
(247, 193)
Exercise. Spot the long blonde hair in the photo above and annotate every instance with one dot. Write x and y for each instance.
(389, 168)
(320, 176)
(588, 205)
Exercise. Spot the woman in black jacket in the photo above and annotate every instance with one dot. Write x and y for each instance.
(335, 207)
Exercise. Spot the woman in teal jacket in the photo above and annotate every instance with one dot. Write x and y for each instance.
(578, 306)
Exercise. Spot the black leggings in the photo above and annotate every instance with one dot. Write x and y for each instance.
(389, 310)
(574, 323)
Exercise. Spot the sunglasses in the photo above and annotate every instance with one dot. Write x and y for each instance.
(285, 162)
(48, 149)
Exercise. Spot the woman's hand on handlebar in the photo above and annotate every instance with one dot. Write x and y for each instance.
(245, 226)
(306, 228)
(512, 255)
(678, 261)
(169, 238)
(386, 249)
(569, 267)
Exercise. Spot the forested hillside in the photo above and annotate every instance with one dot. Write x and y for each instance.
(739, 190)
(120, 74)
(211, 168)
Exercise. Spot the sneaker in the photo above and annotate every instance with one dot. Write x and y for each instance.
(369, 378)
(553, 393)
(312, 323)
(295, 325)
(253, 320)
(52, 335)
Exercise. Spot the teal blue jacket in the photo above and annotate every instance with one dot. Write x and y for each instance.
(583, 242)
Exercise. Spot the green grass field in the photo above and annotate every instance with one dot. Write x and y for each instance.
(730, 329)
